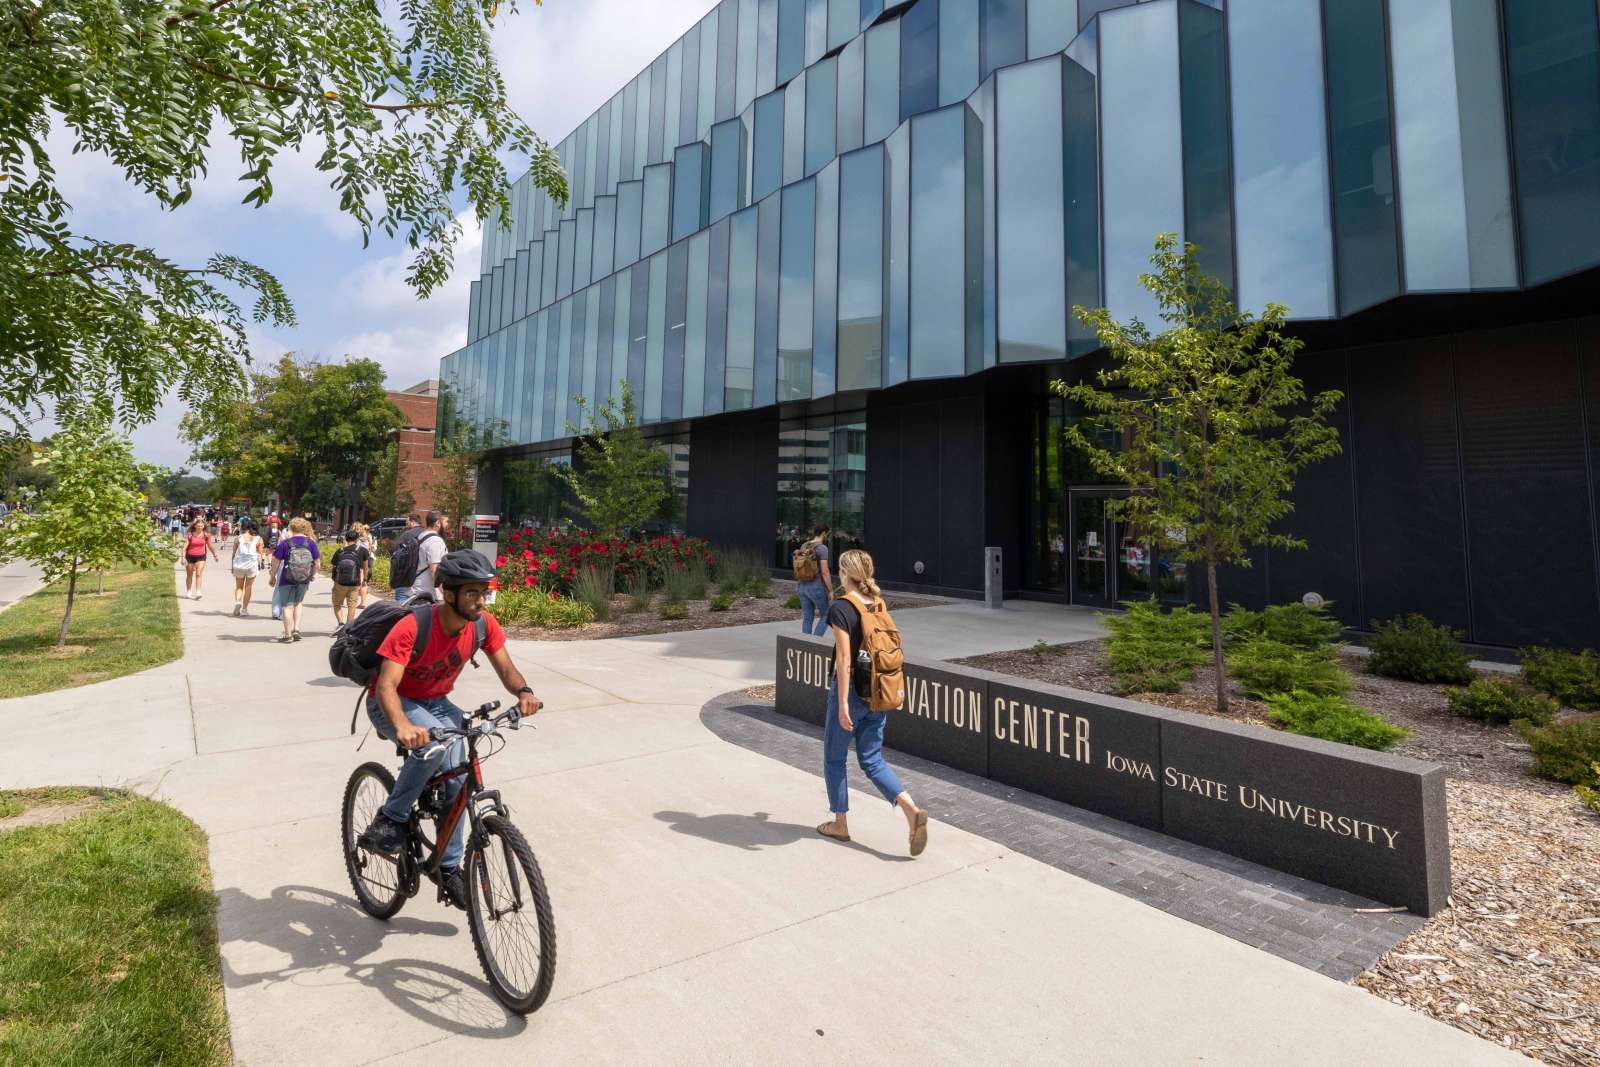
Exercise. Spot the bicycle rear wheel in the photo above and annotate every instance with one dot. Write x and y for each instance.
(375, 878)
(508, 909)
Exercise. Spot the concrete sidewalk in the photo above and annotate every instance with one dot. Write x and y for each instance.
(700, 917)
(18, 579)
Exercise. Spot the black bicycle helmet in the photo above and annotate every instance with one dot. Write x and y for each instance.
(462, 566)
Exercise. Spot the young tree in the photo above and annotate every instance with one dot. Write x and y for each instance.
(384, 495)
(325, 496)
(455, 491)
(618, 478)
(93, 516)
(1202, 409)
(399, 105)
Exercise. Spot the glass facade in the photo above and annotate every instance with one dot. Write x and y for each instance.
(806, 197)
(822, 480)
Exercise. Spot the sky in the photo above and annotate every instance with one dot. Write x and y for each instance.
(560, 61)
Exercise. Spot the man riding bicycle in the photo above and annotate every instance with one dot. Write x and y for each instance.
(410, 696)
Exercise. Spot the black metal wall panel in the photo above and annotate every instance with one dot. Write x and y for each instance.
(1403, 442)
(884, 520)
(919, 497)
(733, 480)
(961, 503)
(1007, 420)
(1527, 489)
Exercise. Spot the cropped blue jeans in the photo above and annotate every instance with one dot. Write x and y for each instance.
(813, 604)
(868, 734)
(425, 761)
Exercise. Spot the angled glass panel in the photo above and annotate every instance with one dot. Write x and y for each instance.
(1208, 196)
(822, 117)
(591, 147)
(529, 381)
(517, 399)
(766, 168)
(919, 58)
(536, 328)
(844, 22)
(825, 301)
(958, 49)
(552, 249)
(579, 161)
(1142, 141)
(519, 286)
(981, 182)
(554, 360)
(658, 110)
(657, 208)
(1363, 173)
(569, 241)
(630, 216)
(572, 381)
(605, 235)
(716, 317)
(766, 45)
(564, 357)
(794, 130)
(727, 58)
(605, 342)
(791, 39)
(641, 124)
(1005, 33)
(852, 102)
(1280, 157)
(591, 349)
(816, 30)
(677, 332)
(939, 210)
(655, 345)
(602, 136)
(862, 194)
(882, 100)
(1088, 9)
(622, 136)
(870, 10)
(694, 328)
(796, 282)
(474, 309)
(639, 331)
(489, 384)
(497, 291)
(1031, 208)
(691, 189)
(745, 76)
(769, 219)
(535, 275)
(743, 241)
(583, 256)
(897, 350)
(674, 103)
(727, 168)
(621, 337)
(706, 90)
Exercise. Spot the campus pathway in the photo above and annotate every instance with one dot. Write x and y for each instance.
(17, 579)
(701, 920)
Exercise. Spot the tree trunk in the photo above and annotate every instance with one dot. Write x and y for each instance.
(102, 590)
(1216, 637)
(66, 617)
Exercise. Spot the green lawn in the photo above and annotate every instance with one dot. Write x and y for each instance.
(109, 928)
(132, 627)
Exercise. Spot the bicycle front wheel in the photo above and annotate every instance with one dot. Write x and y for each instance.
(375, 878)
(508, 909)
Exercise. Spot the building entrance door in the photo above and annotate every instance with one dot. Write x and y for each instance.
(1090, 575)
(1110, 561)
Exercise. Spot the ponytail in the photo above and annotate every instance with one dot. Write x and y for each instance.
(856, 565)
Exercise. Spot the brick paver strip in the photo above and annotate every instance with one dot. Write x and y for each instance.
(1298, 920)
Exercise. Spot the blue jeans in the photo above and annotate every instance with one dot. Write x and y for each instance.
(813, 601)
(424, 762)
(868, 733)
(402, 595)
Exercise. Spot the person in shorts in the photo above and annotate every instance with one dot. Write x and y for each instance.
(291, 576)
(349, 565)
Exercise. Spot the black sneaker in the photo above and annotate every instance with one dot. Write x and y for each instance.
(454, 884)
(385, 836)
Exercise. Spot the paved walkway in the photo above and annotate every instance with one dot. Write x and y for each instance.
(17, 579)
(701, 920)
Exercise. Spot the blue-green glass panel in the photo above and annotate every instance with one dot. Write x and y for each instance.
(554, 360)
(630, 215)
(897, 351)
(655, 344)
(519, 286)
(639, 331)
(657, 208)
(573, 383)
(621, 339)
(870, 10)
(717, 317)
(816, 30)
(744, 233)
(537, 344)
(766, 45)
(981, 181)
(1363, 174)
(552, 247)
(602, 159)
(674, 116)
(938, 238)
(1208, 193)
(861, 268)
(727, 59)
(605, 235)
(844, 22)
(605, 341)
(882, 99)
(690, 189)
(621, 137)
(769, 218)
(852, 101)
(1005, 33)
(583, 255)
(791, 39)
(706, 94)
(825, 301)
(694, 328)
(568, 241)
(474, 309)
(676, 336)
(958, 49)
(641, 124)
(745, 76)
(727, 168)
(497, 290)
(821, 114)
(766, 168)
(796, 282)
(591, 347)
(1031, 212)
(794, 130)
(919, 58)
(564, 355)
(658, 110)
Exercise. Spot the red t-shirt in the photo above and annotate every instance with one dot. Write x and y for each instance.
(434, 672)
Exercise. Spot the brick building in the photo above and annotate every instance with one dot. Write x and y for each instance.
(418, 468)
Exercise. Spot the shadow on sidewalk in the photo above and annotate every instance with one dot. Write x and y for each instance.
(752, 832)
(318, 930)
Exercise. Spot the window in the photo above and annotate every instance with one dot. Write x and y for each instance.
(897, 353)
(766, 168)
(844, 22)
(1208, 197)
(822, 479)
(1005, 29)
(621, 336)
(657, 208)
(572, 375)
(766, 45)
(563, 367)
(674, 101)
(821, 115)
(657, 146)
(519, 285)
(605, 342)
(727, 168)
(675, 338)
(795, 290)
(584, 256)
(474, 309)
(694, 330)
(767, 268)
(852, 71)
(958, 49)
(742, 309)
(745, 76)
(825, 309)
(591, 349)
(655, 344)
(716, 317)
(605, 235)
(882, 99)
(690, 189)
(794, 130)
(706, 91)
(919, 59)
(942, 258)
(861, 268)
(791, 39)
(1030, 210)
(630, 211)
(568, 245)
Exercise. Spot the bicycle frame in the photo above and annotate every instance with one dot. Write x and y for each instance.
(465, 804)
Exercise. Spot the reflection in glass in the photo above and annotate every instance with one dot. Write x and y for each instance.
(591, 349)
(794, 130)
(552, 246)
(897, 171)
(657, 208)
(816, 30)
(675, 336)
(795, 283)
(474, 310)
(658, 110)
(621, 337)
(630, 211)
(1142, 145)
(536, 331)
(825, 311)
(1208, 198)
(691, 189)
(572, 375)
(852, 70)
(791, 39)
(727, 168)
(958, 49)
(844, 22)
(919, 58)
(1032, 314)
(706, 113)
(1005, 32)
(656, 339)
(689, 104)
(1089, 550)
(638, 331)
(674, 100)
(519, 286)
(583, 260)
(1363, 179)
(742, 309)
(694, 329)
(605, 235)
(1554, 52)
(940, 257)
(716, 317)
(745, 78)
(727, 58)
(603, 178)
(766, 45)
(568, 245)
(767, 266)
(563, 358)
(821, 115)
(766, 167)
(882, 82)
(605, 341)
(553, 360)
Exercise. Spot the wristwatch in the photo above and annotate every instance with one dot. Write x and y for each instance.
(525, 689)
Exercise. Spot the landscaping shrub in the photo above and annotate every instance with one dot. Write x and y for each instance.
(1291, 624)
(1265, 666)
(1498, 701)
(1042, 648)
(698, 574)
(1589, 796)
(639, 592)
(1565, 751)
(1573, 678)
(760, 587)
(594, 587)
(1417, 650)
(1333, 718)
(677, 585)
(737, 566)
(534, 607)
(673, 609)
(1152, 651)
(793, 603)
(551, 559)
(722, 602)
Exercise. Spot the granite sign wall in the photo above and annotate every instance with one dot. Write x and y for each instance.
(1367, 822)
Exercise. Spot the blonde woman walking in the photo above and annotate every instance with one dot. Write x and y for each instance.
(296, 559)
(248, 553)
(850, 717)
(365, 540)
(195, 550)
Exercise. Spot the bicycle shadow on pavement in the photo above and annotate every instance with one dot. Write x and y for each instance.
(318, 930)
(755, 832)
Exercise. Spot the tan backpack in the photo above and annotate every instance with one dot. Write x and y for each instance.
(806, 568)
(880, 643)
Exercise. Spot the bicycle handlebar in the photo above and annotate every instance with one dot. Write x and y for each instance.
(511, 717)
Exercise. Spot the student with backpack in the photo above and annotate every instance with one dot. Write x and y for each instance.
(349, 565)
(416, 558)
(812, 582)
(297, 558)
(868, 670)
(248, 554)
(403, 551)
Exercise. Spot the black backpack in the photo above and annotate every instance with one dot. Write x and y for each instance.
(354, 653)
(406, 560)
(347, 566)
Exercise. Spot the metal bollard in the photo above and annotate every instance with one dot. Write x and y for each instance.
(993, 578)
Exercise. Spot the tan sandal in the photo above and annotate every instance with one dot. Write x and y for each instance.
(919, 833)
(826, 830)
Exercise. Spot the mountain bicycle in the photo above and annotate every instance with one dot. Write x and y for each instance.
(508, 907)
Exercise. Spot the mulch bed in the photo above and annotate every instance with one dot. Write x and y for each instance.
(1516, 959)
(745, 610)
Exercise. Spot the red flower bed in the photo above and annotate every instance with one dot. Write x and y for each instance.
(551, 559)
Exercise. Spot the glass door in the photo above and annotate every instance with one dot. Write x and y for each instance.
(1090, 573)
(1135, 564)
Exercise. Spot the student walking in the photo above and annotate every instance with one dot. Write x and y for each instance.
(401, 555)
(365, 540)
(813, 583)
(195, 549)
(851, 617)
(350, 565)
(248, 554)
(297, 557)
